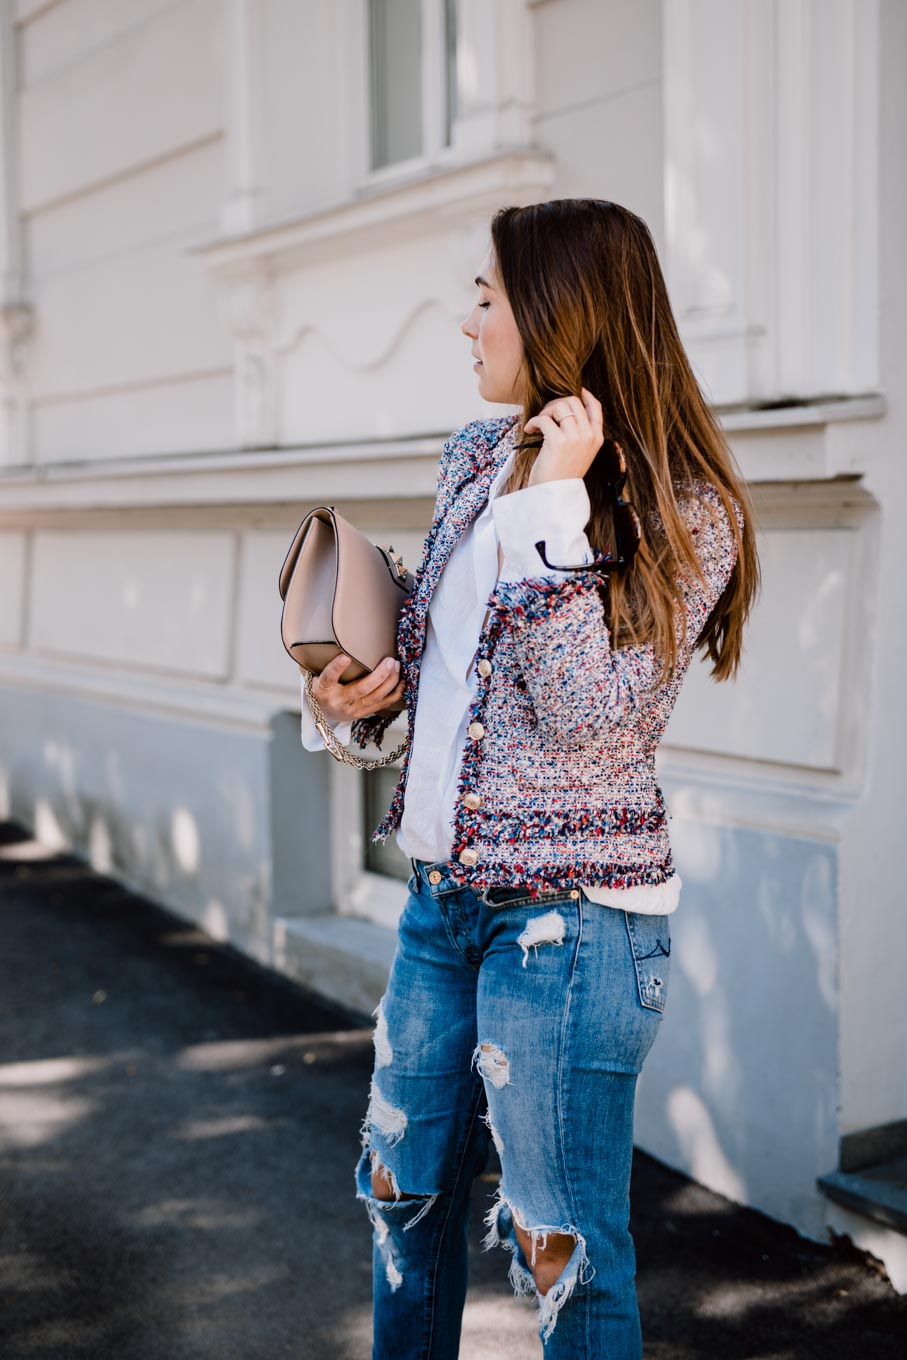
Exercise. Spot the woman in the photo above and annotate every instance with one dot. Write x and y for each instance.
(532, 963)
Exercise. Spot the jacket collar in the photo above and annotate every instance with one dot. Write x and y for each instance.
(479, 451)
(471, 474)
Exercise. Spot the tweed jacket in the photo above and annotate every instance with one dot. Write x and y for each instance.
(559, 763)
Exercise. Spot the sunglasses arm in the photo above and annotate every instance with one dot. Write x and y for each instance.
(606, 563)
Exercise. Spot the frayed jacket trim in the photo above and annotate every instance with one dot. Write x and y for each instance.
(517, 603)
(592, 823)
(574, 873)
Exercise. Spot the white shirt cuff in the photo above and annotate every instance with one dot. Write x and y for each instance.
(310, 736)
(556, 511)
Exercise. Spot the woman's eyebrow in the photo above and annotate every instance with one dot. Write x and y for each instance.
(483, 283)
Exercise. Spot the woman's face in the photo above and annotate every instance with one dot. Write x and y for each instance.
(496, 342)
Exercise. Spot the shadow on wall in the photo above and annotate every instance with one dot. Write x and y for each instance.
(740, 1090)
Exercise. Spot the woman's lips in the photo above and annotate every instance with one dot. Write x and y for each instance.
(478, 363)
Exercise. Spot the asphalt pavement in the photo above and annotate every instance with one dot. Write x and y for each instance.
(178, 1131)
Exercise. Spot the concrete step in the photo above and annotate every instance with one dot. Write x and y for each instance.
(343, 958)
(879, 1191)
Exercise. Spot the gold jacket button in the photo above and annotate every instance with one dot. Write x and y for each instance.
(434, 876)
(472, 800)
(469, 856)
(476, 730)
(574, 892)
(484, 666)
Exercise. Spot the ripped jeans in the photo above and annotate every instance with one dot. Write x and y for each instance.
(524, 1021)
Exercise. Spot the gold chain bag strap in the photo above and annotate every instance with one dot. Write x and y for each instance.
(341, 593)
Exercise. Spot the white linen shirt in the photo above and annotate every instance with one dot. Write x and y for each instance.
(556, 511)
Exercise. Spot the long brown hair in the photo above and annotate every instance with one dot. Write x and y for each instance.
(590, 302)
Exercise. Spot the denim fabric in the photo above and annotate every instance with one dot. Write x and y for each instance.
(524, 1020)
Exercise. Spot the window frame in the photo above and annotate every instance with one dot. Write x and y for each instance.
(358, 891)
(435, 96)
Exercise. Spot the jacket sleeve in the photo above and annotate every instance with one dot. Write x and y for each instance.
(580, 687)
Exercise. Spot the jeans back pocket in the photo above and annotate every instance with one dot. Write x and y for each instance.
(650, 944)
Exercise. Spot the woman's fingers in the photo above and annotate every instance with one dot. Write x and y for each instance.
(395, 693)
(549, 428)
(379, 697)
(375, 683)
(378, 694)
(360, 697)
(586, 407)
(326, 685)
(594, 407)
(331, 673)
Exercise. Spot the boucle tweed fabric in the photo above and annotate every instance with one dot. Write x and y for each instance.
(565, 727)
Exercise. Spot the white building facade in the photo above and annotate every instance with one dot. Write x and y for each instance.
(237, 238)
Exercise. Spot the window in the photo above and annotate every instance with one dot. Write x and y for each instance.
(450, 74)
(412, 96)
(386, 858)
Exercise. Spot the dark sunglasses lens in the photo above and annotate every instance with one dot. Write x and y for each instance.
(613, 465)
(626, 530)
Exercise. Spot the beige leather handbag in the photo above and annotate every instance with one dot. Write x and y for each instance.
(341, 593)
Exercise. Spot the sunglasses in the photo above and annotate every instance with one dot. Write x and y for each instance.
(627, 526)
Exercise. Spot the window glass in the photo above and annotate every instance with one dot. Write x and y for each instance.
(395, 71)
(386, 858)
(450, 55)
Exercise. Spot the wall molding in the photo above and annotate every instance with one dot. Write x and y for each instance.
(817, 443)
(151, 693)
(458, 191)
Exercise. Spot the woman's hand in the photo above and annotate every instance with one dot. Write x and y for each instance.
(357, 698)
(574, 433)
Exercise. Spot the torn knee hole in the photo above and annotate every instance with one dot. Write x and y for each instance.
(547, 1254)
(384, 1183)
(556, 1253)
(492, 1064)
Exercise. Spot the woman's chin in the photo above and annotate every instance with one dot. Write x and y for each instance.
(488, 392)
